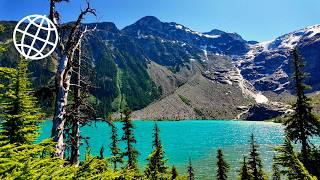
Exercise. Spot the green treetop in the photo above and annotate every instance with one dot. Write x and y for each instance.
(156, 167)
(19, 112)
(128, 137)
(190, 171)
(244, 171)
(115, 150)
(293, 168)
(254, 161)
(174, 173)
(302, 123)
(222, 167)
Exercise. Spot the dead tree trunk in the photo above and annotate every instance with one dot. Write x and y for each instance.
(75, 134)
(62, 85)
(63, 74)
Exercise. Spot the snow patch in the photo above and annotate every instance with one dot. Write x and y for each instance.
(211, 36)
(178, 26)
(260, 98)
(265, 45)
(205, 52)
(290, 41)
(248, 90)
(315, 30)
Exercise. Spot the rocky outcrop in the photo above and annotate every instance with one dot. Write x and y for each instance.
(201, 97)
(265, 111)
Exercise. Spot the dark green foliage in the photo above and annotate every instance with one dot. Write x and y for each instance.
(276, 174)
(156, 168)
(41, 71)
(137, 87)
(244, 171)
(21, 159)
(222, 167)
(190, 171)
(105, 80)
(293, 168)
(105, 60)
(174, 173)
(314, 161)
(185, 100)
(120, 72)
(128, 137)
(302, 124)
(20, 115)
(116, 156)
(254, 161)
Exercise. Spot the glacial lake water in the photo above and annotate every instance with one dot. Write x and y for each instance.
(198, 140)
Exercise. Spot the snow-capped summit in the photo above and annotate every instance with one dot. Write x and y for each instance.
(215, 41)
(286, 42)
(267, 64)
(291, 40)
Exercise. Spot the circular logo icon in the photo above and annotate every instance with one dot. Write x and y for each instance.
(35, 37)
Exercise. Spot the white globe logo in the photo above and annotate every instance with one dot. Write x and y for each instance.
(35, 37)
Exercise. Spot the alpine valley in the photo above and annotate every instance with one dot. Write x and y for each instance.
(164, 70)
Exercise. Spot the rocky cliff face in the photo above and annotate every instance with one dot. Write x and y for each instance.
(267, 65)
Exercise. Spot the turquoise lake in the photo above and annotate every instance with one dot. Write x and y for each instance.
(198, 140)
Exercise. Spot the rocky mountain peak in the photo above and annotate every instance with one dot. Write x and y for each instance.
(147, 20)
(215, 32)
(147, 23)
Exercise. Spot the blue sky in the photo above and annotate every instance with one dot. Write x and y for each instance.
(253, 19)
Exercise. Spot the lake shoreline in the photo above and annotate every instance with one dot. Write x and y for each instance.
(176, 120)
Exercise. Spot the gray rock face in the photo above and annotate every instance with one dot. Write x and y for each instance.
(260, 112)
(267, 65)
(215, 41)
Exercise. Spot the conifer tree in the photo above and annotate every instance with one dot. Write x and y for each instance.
(190, 171)
(222, 167)
(156, 167)
(276, 175)
(131, 153)
(174, 173)
(244, 171)
(302, 124)
(19, 113)
(115, 150)
(293, 168)
(254, 162)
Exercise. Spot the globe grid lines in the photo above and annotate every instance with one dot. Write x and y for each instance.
(36, 35)
(22, 47)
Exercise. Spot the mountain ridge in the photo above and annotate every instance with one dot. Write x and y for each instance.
(151, 63)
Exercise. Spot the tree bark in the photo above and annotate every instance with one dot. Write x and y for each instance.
(63, 78)
(63, 74)
(75, 145)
